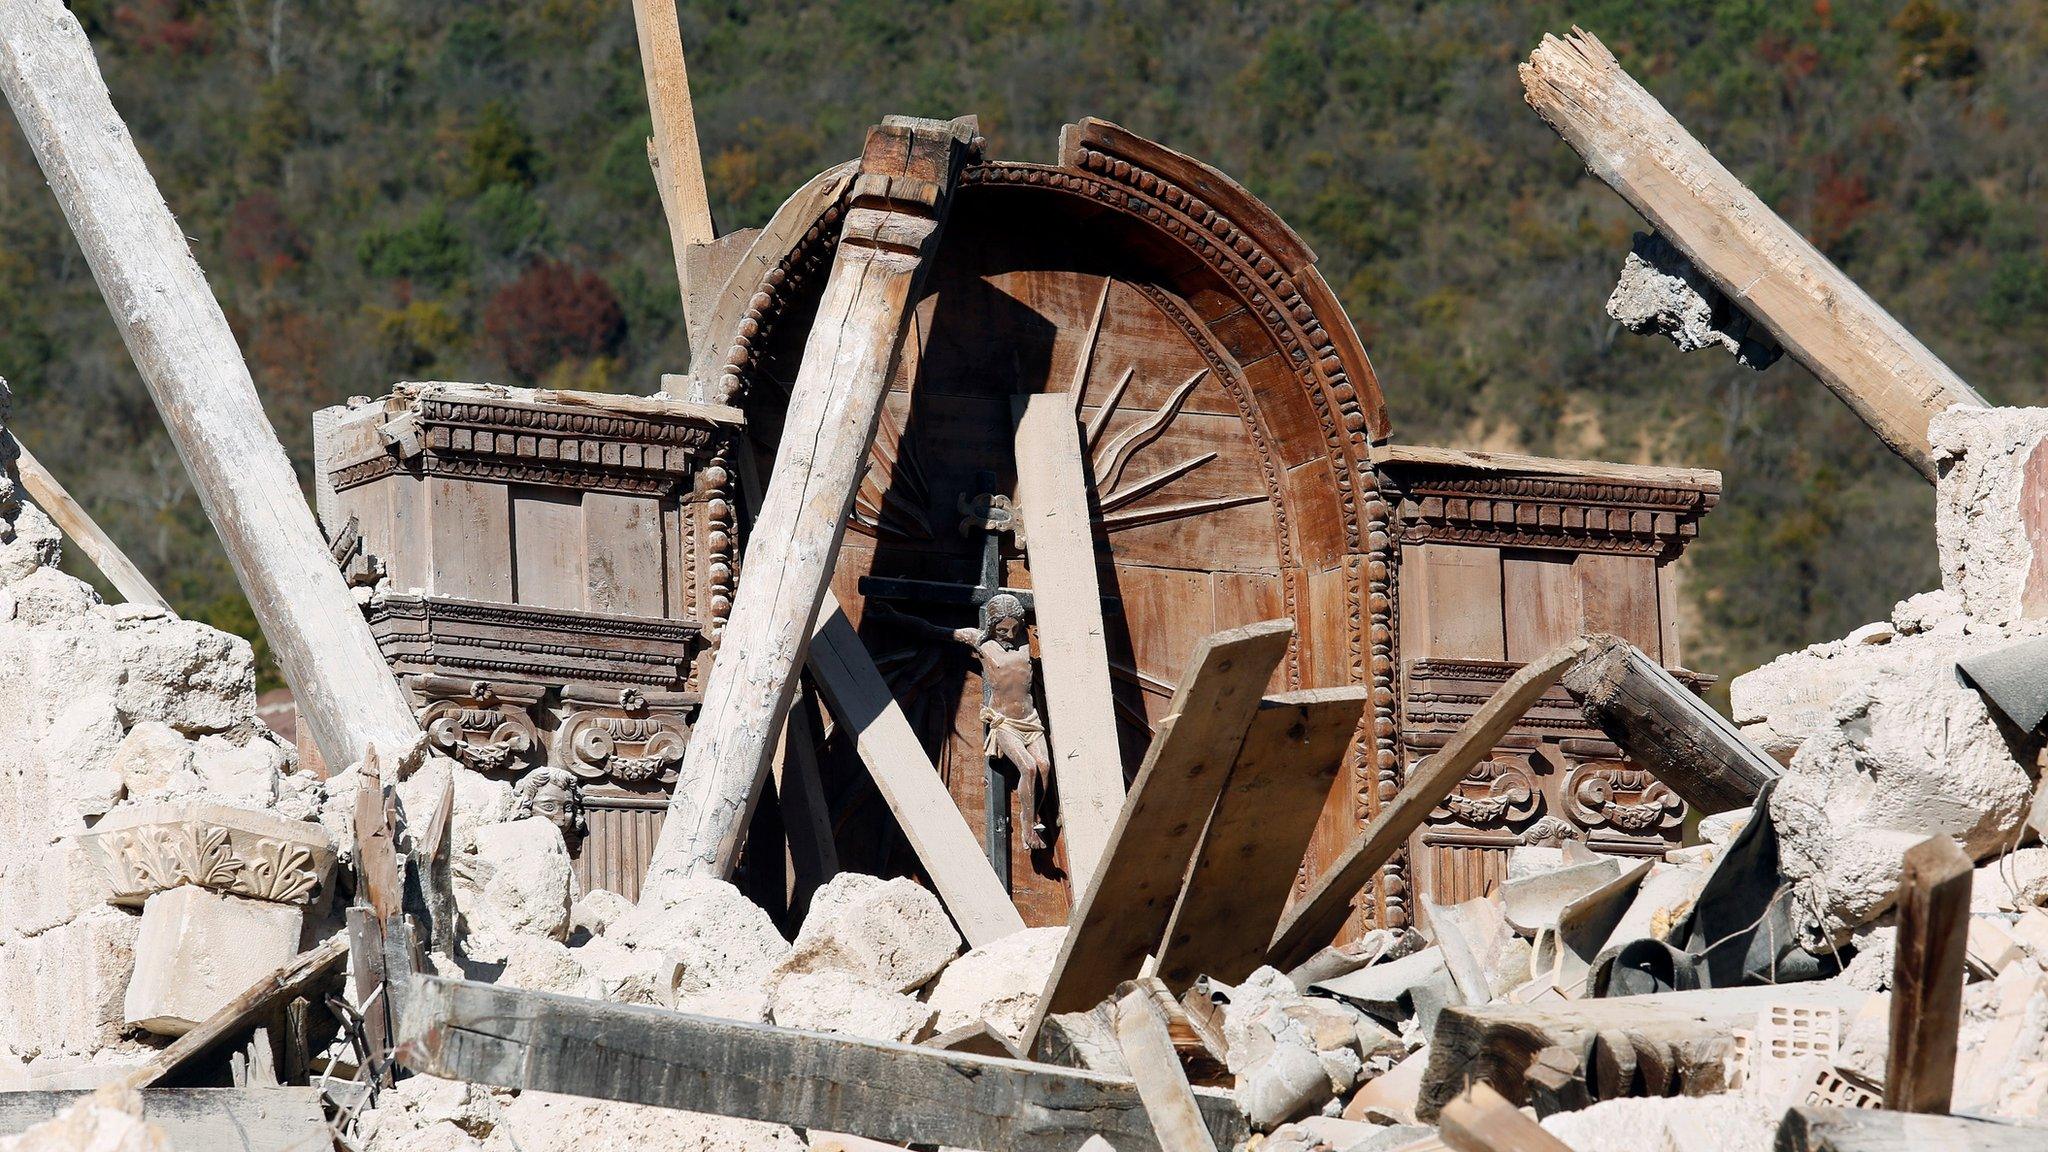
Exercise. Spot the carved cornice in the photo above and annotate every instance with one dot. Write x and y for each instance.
(157, 847)
(1445, 504)
(515, 437)
(450, 636)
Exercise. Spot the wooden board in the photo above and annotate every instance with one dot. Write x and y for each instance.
(859, 697)
(1807, 1129)
(1052, 499)
(212, 1119)
(1314, 920)
(488, 1034)
(1292, 755)
(1618, 595)
(1454, 591)
(1927, 977)
(84, 532)
(1480, 1121)
(1122, 916)
(1147, 1047)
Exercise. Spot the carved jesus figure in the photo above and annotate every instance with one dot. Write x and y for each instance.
(1010, 722)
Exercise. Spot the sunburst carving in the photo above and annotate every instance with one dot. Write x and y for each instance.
(1109, 456)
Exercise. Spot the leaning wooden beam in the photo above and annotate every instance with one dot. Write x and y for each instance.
(1481, 1121)
(1122, 916)
(216, 1119)
(78, 525)
(1806, 1129)
(302, 973)
(1756, 259)
(1147, 1046)
(1259, 833)
(678, 162)
(1319, 914)
(1679, 1039)
(800, 789)
(1927, 977)
(1665, 727)
(898, 205)
(490, 1034)
(1059, 541)
(910, 785)
(187, 356)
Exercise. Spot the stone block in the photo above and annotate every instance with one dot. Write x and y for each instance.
(199, 949)
(893, 933)
(715, 940)
(1991, 509)
(999, 982)
(152, 848)
(515, 881)
(843, 1003)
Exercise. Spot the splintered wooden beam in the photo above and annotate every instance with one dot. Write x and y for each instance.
(489, 1034)
(1059, 541)
(898, 206)
(1317, 917)
(1756, 259)
(78, 525)
(1927, 977)
(1481, 1121)
(1147, 1046)
(1665, 727)
(1807, 1129)
(909, 783)
(187, 356)
(1122, 916)
(216, 1119)
(677, 159)
(1290, 759)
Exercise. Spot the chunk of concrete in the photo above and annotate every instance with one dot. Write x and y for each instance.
(998, 983)
(102, 1122)
(1991, 509)
(844, 1003)
(716, 941)
(199, 949)
(892, 933)
(1396, 989)
(515, 881)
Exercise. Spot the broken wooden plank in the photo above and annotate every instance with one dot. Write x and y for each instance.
(1236, 891)
(1481, 1121)
(898, 205)
(1683, 1036)
(1316, 918)
(909, 783)
(81, 529)
(215, 1119)
(1059, 542)
(1141, 1033)
(305, 971)
(1121, 918)
(806, 816)
(673, 150)
(1665, 727)
(1763, 264)
(187, 356)
(1808, 1129)
(489, 1034)
(1933, 909)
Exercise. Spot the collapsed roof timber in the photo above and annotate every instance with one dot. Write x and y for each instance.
(1319, 791)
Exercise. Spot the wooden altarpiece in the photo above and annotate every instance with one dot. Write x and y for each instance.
(1237, 447)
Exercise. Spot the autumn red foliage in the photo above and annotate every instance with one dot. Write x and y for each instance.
(552, 313)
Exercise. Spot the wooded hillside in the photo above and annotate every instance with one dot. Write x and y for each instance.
(385, 191)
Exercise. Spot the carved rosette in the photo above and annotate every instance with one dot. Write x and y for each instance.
(634, 740)
(1623, 800)
(238, 851)
(1551, 832)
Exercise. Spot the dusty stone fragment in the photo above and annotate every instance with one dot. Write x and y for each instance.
(514, 882)
(1991, 510)
(845, 1003)
(625, 975)
(545, 1122)
(893, 933)
(155, 763)
(2012, 882)
(999, 982)
(1286, 1083)
(1661, 293)
(1680, 1123)
(1532, 901)
(593, 912)
(199, 949)
(106, 1121)
(713, 938)
(540, 964)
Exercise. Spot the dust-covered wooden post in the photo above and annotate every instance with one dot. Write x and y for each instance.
(894, 217)
(1758, 261)
(1927, 977)
(187, 355)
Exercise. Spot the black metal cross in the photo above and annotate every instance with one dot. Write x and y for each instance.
(991, 515)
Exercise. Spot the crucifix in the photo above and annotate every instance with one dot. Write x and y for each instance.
(1014, 733)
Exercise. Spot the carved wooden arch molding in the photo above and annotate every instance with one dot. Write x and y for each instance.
(1242, 287)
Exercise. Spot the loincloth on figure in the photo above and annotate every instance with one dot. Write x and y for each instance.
(1020, 740)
